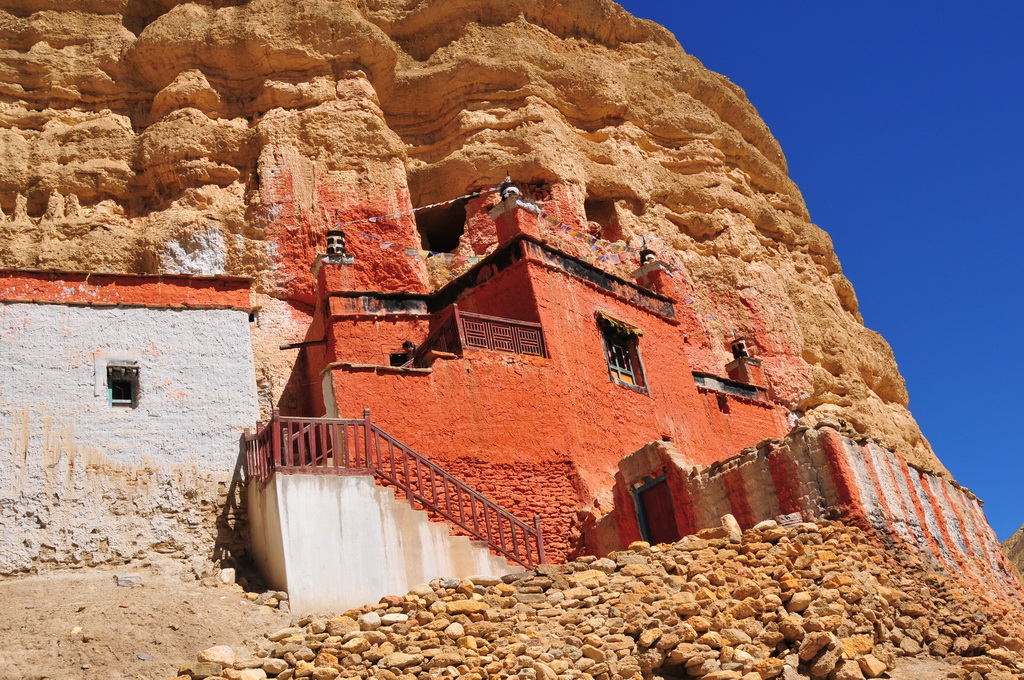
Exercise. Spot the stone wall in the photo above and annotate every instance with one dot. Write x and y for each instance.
(83, 481)
(548, 489)
(816, 473)
(82, 510)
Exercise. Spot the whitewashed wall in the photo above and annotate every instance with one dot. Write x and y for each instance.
(85, 482)
(335, 542)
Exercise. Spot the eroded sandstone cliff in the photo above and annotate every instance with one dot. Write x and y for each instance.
(224, 136)
(1014, 548)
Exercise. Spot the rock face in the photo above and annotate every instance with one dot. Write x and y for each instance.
(1013, 547)
(225, 136)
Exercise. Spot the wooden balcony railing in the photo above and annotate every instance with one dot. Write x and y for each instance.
(458, 330)
(340, 446)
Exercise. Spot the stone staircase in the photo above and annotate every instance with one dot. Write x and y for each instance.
(431, 550)
(339, 448)
(338, 541)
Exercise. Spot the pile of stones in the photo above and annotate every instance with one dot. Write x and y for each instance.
(269, 598)
(275, 599)
(818, 600)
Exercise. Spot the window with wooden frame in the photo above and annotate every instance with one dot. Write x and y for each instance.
(622, 352)
(123, 385)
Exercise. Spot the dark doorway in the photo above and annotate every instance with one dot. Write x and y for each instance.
(603, 212)
(656, 514)
(441, 227)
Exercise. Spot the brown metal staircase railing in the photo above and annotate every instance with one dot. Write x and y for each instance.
(339, 446)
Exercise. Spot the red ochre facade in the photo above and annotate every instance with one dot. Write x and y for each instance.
(809, 474)
(175, 291)
(539, 435)
(299, 210)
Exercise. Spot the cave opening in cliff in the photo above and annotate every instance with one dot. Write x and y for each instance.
(441, 228)
(138, 14)
(602, 213)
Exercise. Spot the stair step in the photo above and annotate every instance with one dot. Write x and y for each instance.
(321, 437)
(463, 554)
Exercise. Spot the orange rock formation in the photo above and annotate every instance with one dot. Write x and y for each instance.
(153, 137)
(1014, 548)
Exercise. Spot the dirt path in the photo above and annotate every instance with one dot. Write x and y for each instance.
(80, 624)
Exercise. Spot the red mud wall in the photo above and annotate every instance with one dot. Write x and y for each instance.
(820, 472)
(515, 411)
(507, 293)
(546, 489)
(168, 290)
(738, 422)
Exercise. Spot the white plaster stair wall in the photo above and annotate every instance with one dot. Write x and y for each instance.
(435, 552)
(428, 542)
(461, 549)
(439, 553)
(486, 563)
(265, 532)
(337, 542)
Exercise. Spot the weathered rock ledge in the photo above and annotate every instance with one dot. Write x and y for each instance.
(1013, 547)
(224, 136)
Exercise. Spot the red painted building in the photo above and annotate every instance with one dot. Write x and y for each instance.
(532, 374)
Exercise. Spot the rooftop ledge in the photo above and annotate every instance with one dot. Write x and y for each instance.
(520, 247)
(517, 249)
(186, 291)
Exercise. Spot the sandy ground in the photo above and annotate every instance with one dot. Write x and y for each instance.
(80, 624)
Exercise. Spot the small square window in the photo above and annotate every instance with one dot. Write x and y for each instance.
(123, 384)
(622, 352)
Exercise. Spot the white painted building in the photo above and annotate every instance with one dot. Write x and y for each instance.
(139, 385)
(122, 403)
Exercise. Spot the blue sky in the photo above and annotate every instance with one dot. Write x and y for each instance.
(903, 125)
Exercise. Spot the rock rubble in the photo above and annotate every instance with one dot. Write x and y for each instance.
(819, 600)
